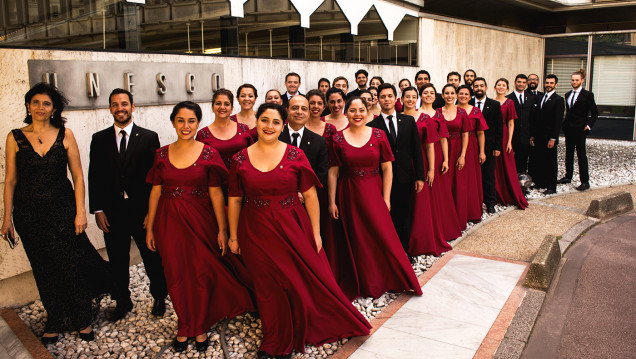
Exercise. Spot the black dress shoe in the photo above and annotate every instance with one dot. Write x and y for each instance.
(179, 346)
(564, 180)
(549, 192)
(286, 356)
(490, 209)
(87, 336)
(202, 346)
(159, 308)
(263, 355)
(121, 310)
(583, 187)
(50, 340)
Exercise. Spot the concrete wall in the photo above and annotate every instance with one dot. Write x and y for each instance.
(449, 46)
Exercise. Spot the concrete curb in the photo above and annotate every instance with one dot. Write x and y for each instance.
(544, 264)
(610, 206)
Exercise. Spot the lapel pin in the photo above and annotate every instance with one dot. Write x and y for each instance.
(308, 143)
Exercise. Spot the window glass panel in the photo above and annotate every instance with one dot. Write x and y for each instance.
(614, 79)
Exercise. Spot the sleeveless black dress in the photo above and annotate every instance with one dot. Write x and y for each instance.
(69, 273)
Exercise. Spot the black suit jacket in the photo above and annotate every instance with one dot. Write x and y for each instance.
(283, 97)
(407, 150)
(536, 96)
(108, 178)
(526, 117)
(577, 116)
(494, 119)
(550, 118)
(315, 148)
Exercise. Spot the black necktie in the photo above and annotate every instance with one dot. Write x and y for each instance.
(295, 135)
(545, 98)
(122, 146)
(521, 99)
(391, 127)
(479, 105)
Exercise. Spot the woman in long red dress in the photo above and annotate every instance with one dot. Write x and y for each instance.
(298, 298)
(224, 135)
(508, 187)
(475, 154)
(459, 127)
(427, 228)
(379, 262)
(336, 101)
(246, 97)
(186, 223)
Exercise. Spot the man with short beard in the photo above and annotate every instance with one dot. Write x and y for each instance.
(120, 158)
(469, 78)
(361, 80)
(533, 85)
(491, 109)
(545, 136)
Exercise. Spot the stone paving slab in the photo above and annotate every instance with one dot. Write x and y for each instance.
(463, 290)
(519, 233)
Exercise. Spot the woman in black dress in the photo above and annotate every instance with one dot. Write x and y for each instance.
(50, 215)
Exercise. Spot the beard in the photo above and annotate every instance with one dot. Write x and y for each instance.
(532, 86)
(479, 93)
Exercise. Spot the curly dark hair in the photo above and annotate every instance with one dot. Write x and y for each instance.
(57, 97)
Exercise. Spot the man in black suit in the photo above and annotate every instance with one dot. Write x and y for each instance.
(361, 80)
(545, 136)
(292, 83)
(527, 108)
(295, 133)
(408, 167)
(120, 158)
(491, 109)
(579, 103)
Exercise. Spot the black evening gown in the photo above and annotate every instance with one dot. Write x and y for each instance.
(69, 273)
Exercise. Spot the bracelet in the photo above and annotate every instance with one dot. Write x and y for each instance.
(232, 240)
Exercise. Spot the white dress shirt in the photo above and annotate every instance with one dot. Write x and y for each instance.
(393, 119)
(573, 96)
(292, 131)
(520, 95)
(118, 134)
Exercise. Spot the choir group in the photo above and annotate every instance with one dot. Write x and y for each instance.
(292, 210)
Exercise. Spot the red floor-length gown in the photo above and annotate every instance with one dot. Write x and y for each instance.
(297, 296)
(331, 229)
(442, 188)
(458, 178)
(474, 189)
(379, 262)
(427, 229)
(508, 187)
(202, 284)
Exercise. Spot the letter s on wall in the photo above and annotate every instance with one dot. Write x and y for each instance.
(161, 83)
